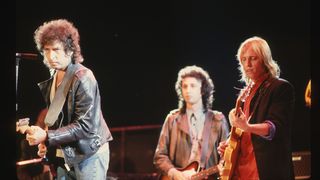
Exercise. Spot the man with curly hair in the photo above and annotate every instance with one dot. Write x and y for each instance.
(192, 132)
(76, 126)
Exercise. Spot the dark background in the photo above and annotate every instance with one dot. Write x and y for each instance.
(136, 49)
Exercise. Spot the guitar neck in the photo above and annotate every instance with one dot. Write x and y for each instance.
(236, 132)
(205, 173)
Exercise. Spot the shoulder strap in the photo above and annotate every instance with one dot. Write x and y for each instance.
(60, 96)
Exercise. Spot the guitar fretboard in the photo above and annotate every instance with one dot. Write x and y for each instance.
(205, 173)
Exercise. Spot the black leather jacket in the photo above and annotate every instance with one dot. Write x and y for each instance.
(86, 129)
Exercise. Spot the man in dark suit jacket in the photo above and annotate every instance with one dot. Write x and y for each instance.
(264, 117)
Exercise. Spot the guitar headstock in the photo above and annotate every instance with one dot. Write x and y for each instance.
(244, 93)
(22, 126)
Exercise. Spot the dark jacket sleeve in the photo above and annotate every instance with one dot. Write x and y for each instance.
(273, 157)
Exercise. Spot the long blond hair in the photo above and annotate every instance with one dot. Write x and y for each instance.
(262, 49)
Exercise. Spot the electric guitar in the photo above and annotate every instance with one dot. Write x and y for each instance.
(23, 127)
(198, 176)
(232, 150)
(51, 157)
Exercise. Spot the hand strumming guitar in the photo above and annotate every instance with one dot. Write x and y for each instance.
(175, 174)
(221, 148)
(37, 137)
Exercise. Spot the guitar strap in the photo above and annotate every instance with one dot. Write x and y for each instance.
(60, 96)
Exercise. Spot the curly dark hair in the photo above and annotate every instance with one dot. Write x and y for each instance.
(59, 30)
(207, 86)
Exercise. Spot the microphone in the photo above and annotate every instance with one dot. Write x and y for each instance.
(29, 56)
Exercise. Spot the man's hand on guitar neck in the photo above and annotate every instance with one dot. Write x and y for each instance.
(238, 119)
(38, 136)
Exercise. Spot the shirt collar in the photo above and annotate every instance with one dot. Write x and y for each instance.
(197, 113)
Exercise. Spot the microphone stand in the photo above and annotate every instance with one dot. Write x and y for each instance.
(18, 58)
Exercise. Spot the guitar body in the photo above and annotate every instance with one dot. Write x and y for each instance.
(210, 173)
(231, 154)
(194, 165)
(233, 149)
